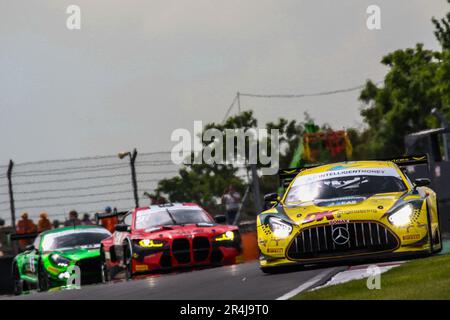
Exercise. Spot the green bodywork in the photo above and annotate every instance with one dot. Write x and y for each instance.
(28, 261)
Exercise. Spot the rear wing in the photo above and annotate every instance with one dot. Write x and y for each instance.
(410, 160)
(22, 236)
(105, 215)
(287, 175)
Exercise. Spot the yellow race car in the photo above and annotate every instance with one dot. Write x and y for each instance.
(349, 211)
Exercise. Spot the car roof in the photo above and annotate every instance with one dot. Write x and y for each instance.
(175, 205)
(349, 165)
(81, 227)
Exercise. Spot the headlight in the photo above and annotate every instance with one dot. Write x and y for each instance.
(279, 228)
(402, 216)
(227, 236)
(59, 261)
(149, 243)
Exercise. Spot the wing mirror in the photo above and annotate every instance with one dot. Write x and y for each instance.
(421, 182)
(30, 247)
(271, 197)
(220, 219)
(122, 227)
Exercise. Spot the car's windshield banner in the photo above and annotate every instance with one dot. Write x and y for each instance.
(352, 172)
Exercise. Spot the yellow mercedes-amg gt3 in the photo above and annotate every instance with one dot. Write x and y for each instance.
(349, 211)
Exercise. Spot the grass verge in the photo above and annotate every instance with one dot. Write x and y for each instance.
(421, 279)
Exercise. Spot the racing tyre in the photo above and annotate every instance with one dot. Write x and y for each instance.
(430, 232)
(19, 285)
(127, 261)
(438, 239)
(43, 281)
(106, 275)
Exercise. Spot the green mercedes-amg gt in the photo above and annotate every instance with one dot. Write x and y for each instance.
(59, 255)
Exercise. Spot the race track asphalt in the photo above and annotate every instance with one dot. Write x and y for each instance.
(238, 282)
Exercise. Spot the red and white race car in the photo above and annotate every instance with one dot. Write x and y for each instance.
(168, 236)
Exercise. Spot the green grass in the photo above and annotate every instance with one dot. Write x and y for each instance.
(421, 279)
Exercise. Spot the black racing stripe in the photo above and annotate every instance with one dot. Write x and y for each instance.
(401, 201)
(280, 214)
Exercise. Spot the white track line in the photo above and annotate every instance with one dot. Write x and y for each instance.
(304, 286)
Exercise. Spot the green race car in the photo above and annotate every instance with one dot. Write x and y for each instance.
(60, 257)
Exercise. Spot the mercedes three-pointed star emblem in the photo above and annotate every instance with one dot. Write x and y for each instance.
(340, 235)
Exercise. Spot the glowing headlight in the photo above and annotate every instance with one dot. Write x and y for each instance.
(59, 260)
(64, 275)
(402, 217)
(279, 228)
(149, 243)
(227, 236)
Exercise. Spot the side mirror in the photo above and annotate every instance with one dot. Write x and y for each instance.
(220, 219)
(122, 227)
(422, 182)
(271, 197)
(30, 247)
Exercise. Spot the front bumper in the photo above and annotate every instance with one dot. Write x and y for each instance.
(366, 240)
(184, 255)
(89, 272)
(392, 256)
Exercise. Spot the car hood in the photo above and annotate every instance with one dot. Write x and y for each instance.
(349, 208)
(76, 254)
(182, 230)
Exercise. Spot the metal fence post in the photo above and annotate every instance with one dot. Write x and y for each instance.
(11, 194)
(133, 177)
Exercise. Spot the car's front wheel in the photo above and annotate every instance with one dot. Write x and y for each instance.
(431, 239)
(106, 275)
(438, 237)
(127, 260)
(19, 285)
(43, 280)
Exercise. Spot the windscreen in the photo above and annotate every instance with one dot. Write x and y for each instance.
(170, 216)
(344, 183)
(74, 238)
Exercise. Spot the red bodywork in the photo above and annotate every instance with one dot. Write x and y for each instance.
(184, 246)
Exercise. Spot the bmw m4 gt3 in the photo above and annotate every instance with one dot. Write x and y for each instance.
(349, 211)
(164, 237)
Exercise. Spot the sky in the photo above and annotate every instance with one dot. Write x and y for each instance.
(137, 70)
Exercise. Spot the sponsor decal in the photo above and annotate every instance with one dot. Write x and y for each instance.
(340, 221)
(411, 237)
(319, 216)
(274, 250)
(141, 267)
(339, 201)
(356, 211)
(276, 241)
(343, 167)
(309, 178)
(333, 214)
(53, 269)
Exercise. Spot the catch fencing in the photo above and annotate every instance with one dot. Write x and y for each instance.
(86, 185)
